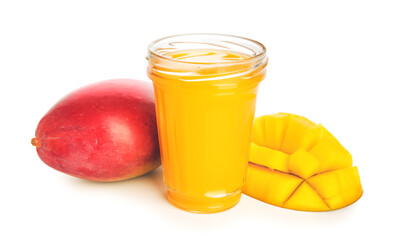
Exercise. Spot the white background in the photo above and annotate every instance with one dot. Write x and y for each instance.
(334, 62)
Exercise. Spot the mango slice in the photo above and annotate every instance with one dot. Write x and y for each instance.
(297, 164)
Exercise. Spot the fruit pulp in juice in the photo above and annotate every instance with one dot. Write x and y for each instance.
(205, 116)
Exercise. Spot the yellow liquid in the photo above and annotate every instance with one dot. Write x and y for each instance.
(205, 114)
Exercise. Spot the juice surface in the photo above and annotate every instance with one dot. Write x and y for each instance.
(206, 56)
(205, 113)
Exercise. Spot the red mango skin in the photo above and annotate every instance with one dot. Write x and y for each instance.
(103, 132)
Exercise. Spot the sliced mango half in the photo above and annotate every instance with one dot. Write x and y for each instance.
(297, 164)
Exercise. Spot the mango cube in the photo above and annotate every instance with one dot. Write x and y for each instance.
(269, 158)
(303, 164)
(259, 179)
(285, 184)
(331, 153)
(338, 188)
(306, 199)
(275, 128)
(316, 176)
(258, 133)
(260, 188)
(301, 134)
(269, 131)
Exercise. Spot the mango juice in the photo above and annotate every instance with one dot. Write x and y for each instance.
(205, 104)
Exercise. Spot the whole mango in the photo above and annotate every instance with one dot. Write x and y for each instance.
(103, 132)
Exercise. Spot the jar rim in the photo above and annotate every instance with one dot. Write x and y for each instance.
(258, 54)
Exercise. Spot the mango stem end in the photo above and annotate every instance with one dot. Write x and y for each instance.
(35, 142)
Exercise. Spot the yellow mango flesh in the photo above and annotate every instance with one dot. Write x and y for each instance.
(303, 164)
(331, 153)
(270, 158)
(301, 133)
(338, 188)
(297, 164)
(305, 198)
(277, 194)
(275, 125)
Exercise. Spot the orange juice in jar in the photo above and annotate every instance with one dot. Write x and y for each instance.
(205, 89)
